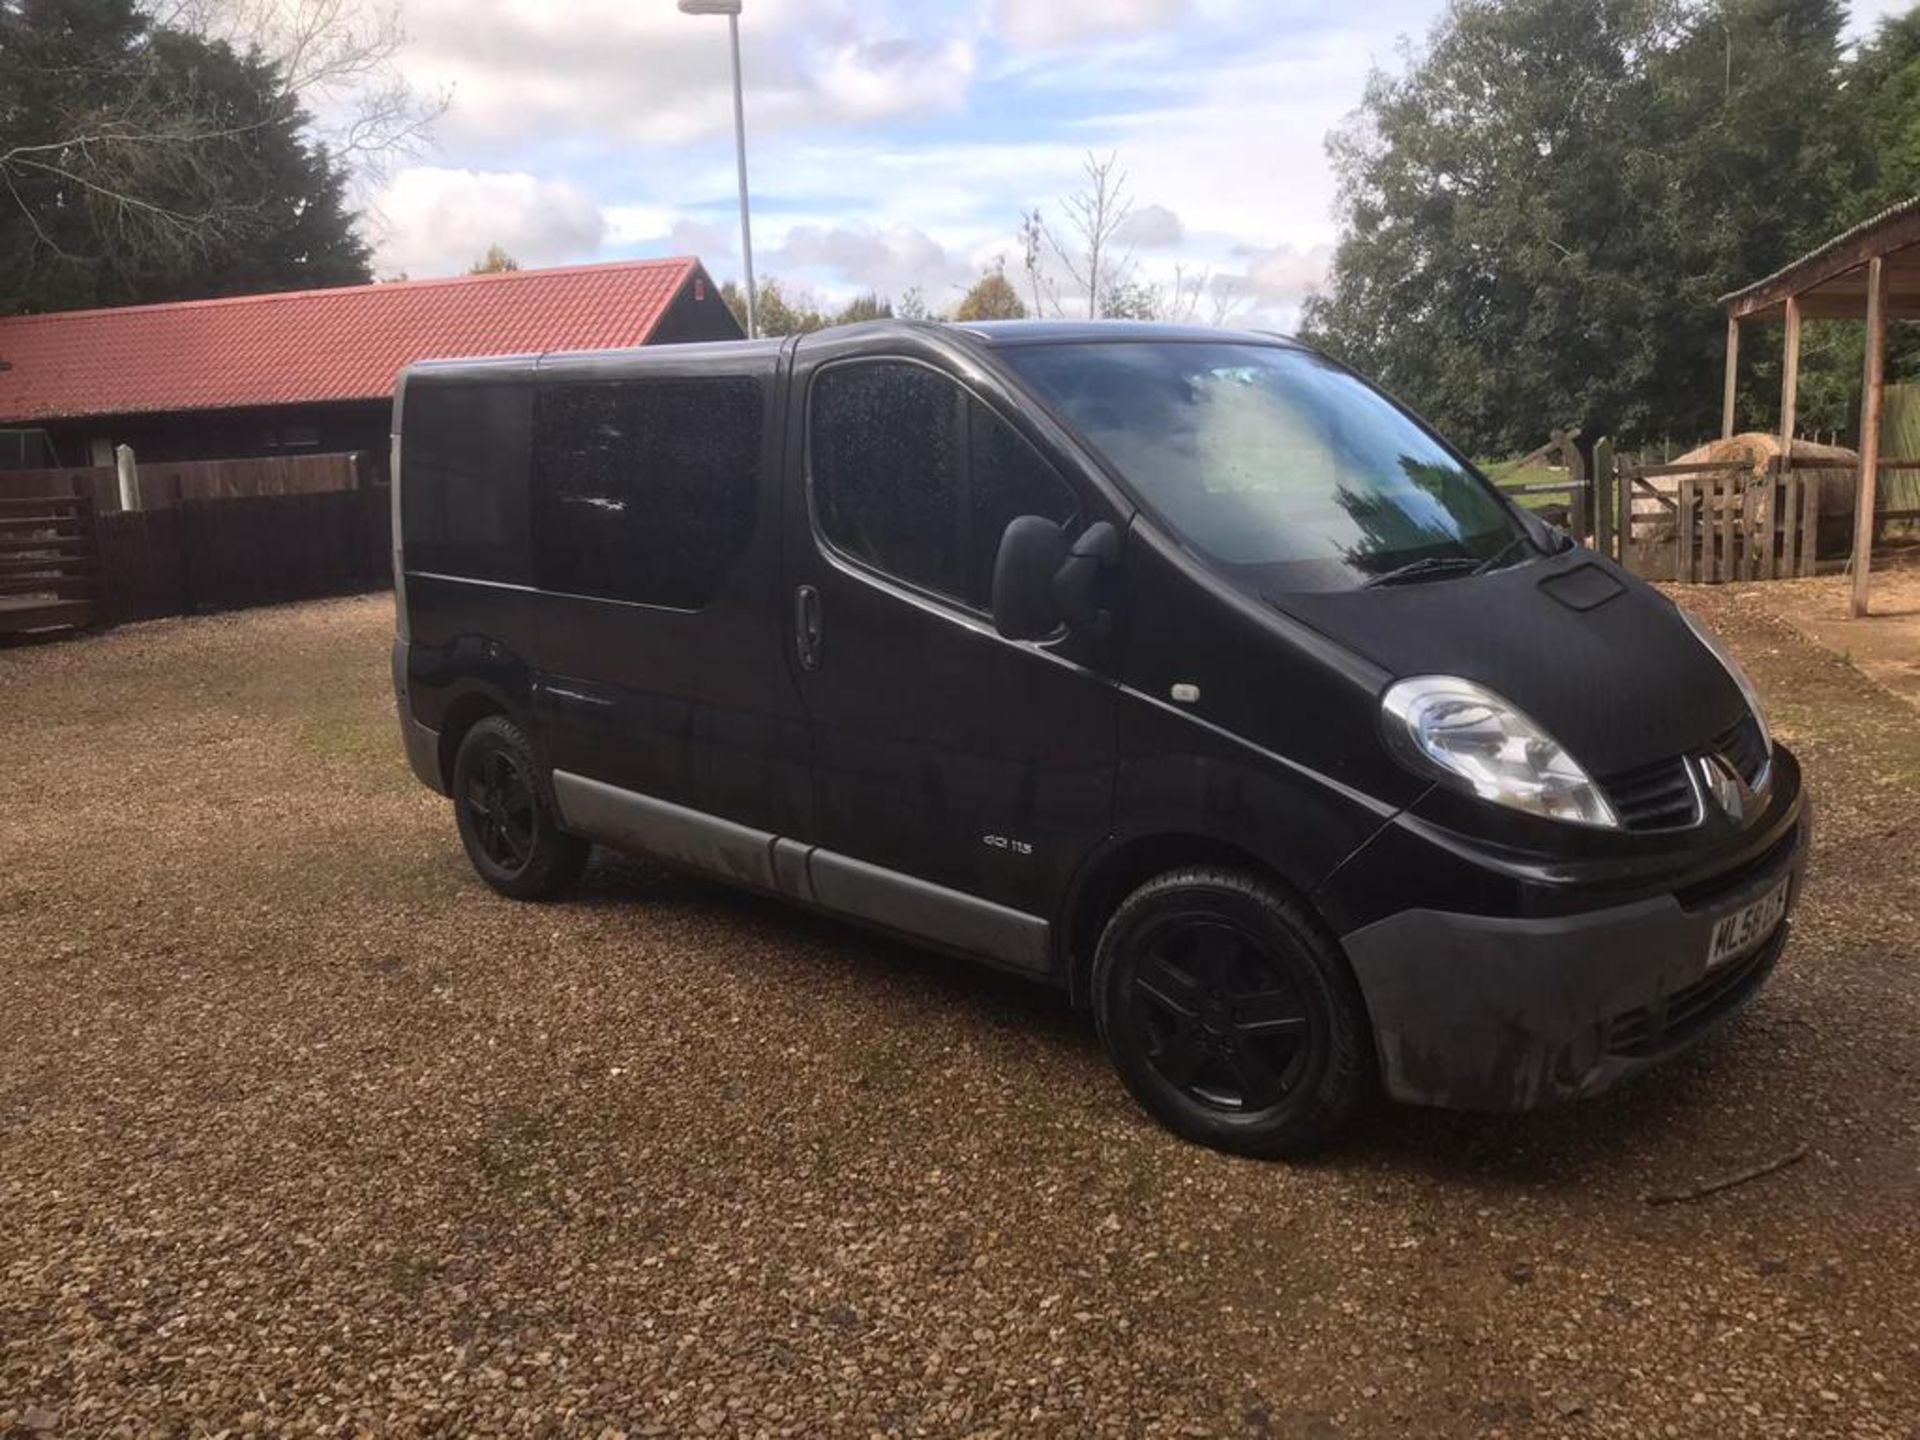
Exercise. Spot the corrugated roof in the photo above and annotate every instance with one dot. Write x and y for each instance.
(306, 345)
(1887, 216)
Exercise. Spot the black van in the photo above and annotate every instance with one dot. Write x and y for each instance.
(1180, 668)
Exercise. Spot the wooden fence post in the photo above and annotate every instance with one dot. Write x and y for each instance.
(1603, 505)
(1683, 526)
(128, 474)
(1874, 384)
(1579, 497)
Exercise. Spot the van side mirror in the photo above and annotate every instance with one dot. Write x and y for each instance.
(1032, 550)
(1076, 584)
(1040, 581)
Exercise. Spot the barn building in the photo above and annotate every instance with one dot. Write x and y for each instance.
(310, 371)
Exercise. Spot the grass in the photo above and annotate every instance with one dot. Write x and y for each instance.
(1509, 474)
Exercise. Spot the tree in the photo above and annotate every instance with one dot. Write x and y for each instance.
(139, 163)
(991, 298)
(340, 58)
(1087, 252)
(781, 316)
(495, 262)
(864, 307)
(1033, 255)
(913, 305)
(1883, 84)
(1539, 214)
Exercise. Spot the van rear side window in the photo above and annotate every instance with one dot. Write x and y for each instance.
(645, 490)
(463, 493)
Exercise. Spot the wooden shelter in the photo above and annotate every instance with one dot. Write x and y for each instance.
(1870, 272)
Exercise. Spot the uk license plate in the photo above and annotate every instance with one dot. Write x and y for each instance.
(1748, 926)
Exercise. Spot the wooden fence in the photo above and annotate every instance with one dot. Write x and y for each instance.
(169, 482)
(227, 554)
(66, 562)
(1711, 521)
(47, 561)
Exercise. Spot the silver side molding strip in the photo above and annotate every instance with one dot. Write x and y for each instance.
(858, 889)
(919, 907)
(630, 821)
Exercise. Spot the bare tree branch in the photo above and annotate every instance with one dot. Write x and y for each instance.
(1094, 214)
(341, 58)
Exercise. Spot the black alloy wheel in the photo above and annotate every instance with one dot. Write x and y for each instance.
(1230, 1014)
(1219, 1018)
(500, 807)
(507, 819)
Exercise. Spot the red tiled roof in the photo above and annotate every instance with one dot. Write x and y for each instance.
(306, 345)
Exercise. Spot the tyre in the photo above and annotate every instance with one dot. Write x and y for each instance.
(1230, 1015)
(506, 815)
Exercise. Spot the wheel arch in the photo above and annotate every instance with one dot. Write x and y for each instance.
(463, 712)
(1124, 865)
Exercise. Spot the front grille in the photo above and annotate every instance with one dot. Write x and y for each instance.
(1692, 1008)
(1659, 796)
(1663, 796)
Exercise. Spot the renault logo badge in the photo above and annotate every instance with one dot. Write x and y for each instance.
(1723, 784)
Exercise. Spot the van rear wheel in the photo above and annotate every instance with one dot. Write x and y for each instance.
(507, 818)
(1229, 1014)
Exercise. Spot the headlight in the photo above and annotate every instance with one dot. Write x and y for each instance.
(1739, 678)
(1468, 736)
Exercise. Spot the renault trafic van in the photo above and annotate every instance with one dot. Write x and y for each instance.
(1179, 668)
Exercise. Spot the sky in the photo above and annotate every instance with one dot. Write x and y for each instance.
(891, 143)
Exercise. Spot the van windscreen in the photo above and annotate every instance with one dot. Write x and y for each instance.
(1283, 469)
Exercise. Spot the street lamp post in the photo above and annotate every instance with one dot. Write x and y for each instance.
(731, 9)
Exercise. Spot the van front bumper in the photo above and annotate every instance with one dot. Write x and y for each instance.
(1476, 1012)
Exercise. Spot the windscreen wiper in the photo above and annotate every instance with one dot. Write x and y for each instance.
(1431, 566)
(1505, 553)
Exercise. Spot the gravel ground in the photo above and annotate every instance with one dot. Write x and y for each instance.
(304, 1131)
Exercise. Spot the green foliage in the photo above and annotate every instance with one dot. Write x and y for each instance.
(864, 307)
(1541, 212)
(799, 314)
(143, 163)
(991, 298)
(1883, 84)
(782, 316)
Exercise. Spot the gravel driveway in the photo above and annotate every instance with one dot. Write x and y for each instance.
(302, 1130)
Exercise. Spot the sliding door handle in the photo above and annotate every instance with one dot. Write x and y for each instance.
(806, 626)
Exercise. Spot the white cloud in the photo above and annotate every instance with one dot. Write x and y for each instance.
(876, 78)
(1039, 24)
(1287, 273)
(437, 222)
(889, 260)
(638, 71)
(1150, 227)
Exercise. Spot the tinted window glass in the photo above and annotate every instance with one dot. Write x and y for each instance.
(1274, 462)
(918, 479)
(645, 490)
(463, 496)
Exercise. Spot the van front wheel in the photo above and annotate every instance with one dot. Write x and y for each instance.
(506, 816)
(1229, 1014)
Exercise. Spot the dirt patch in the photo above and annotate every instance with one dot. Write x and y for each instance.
(303, 1131)
(1883, 645)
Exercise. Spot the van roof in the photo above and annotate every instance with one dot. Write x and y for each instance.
(1068, 332)
(997, 334)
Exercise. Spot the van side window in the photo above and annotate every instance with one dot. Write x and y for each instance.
(463, 496)
(914, 477)
(645, 490)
